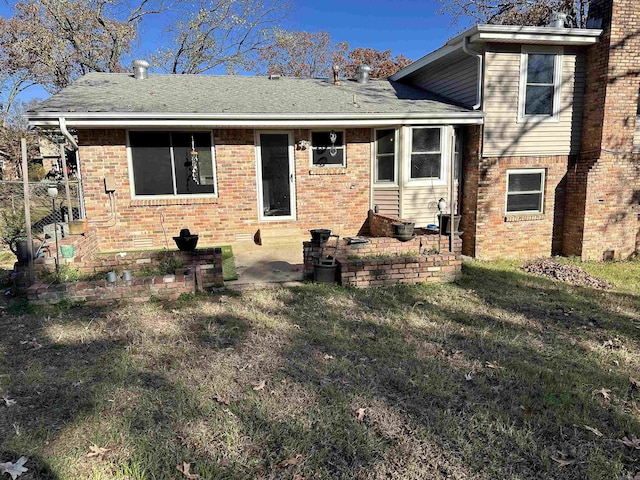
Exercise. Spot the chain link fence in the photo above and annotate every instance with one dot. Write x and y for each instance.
(45, 210)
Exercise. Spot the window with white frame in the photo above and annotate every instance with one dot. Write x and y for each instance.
(385, 161)
(525, 190)
(540, 84)
(426, 154)
(172, 163)
(327, 148)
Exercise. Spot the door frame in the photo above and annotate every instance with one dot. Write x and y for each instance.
(292, 176)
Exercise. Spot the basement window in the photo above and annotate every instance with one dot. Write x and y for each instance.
(540, 80)
(327, 148)
(525, 191)
(171, 164)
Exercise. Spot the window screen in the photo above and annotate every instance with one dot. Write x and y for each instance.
(326, 152)
(525, 191)
(426, 154)
(385, 156)
(163, 163)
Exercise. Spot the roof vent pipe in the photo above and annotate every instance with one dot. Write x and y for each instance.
(558, 20)
(362, 73)
(140, 69)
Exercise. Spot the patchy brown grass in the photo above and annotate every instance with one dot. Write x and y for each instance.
(492, 377)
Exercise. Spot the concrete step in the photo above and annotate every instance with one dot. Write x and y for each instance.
(268, 236)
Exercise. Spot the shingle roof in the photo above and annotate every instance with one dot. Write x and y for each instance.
(206, 94)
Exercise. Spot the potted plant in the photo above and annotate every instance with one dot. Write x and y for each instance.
(403, 231)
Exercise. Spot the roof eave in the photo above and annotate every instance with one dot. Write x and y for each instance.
(126, 120)
(506, 34)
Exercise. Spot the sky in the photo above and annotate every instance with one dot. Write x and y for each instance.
(412, 28)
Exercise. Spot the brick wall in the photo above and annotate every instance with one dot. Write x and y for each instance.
(381, 225)
(102, 293)
(470, 179)
(603, 186)
(493, 234)
(422, 245)
(336, 198)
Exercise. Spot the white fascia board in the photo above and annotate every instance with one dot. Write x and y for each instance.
(506, 34)
(114, 121)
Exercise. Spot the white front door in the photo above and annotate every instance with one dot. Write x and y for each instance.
(276, 176)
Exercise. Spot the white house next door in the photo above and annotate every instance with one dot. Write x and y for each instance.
(276, 176)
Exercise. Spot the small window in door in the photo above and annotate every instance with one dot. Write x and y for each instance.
(385, 163)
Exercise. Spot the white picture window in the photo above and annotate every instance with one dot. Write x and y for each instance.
(426, 160)
(386, 157)
(327, 148)
(540, 82)
(525, 191)
(172, 163)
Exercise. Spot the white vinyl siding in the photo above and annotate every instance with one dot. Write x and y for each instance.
(504, 135)
(455, 78)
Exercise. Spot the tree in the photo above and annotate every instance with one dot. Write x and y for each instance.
(517, 12)
(306, 54)
(52, 42)
(382, 64)
(220, 33)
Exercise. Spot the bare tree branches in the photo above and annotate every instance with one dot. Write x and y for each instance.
(516, 12)
(225, 33)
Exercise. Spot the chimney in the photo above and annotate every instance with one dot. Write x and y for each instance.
(140, 69)
(362, 73)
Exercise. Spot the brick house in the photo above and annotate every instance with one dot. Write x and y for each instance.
(527, 132)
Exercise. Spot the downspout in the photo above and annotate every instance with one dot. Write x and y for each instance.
(74, 145)
(478, 55)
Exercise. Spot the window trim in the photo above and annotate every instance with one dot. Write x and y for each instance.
(343, 147)
(557, 83)
(444, 154)
(543, 180)
(132, 185)
(396, 155)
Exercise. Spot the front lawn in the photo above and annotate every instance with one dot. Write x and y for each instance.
(501, 375)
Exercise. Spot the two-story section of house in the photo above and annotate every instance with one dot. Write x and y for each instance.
(543, 175)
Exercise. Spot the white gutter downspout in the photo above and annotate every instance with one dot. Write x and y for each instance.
(74, 144)
(478, 55)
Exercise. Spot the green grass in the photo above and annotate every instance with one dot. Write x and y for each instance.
(492, 377)
(228, 264)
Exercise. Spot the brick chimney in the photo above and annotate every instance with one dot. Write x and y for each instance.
(603, 187)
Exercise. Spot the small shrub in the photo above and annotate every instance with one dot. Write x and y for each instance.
(65, 273)
(36, 172)
(13, 228)
(169, 266)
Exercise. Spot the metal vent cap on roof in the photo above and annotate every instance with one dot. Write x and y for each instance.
(140, 69)
(362, 73)
(558, 20)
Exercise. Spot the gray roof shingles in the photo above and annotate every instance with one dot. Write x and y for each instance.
(207, 94)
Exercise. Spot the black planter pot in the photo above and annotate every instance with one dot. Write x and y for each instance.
(186, 242)
(324, 273)
(445, 223)
(403, 231)
(22, 252)
(320, 236)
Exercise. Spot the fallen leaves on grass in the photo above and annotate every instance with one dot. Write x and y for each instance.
(595, 431)
(290, 462)
(606, 394)
(632, 442)
(328, 357)
(97, 452)
(564, 462)
(634, 383)
(184, 469)
(260, 386)
(468, 377)
(493, 365)
(361, 412)
(8, 401)
(14, 469)
(222, 399)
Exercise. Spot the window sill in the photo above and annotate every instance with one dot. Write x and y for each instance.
(524, 217)
(158, 202)
(536, 119)
(328, 171)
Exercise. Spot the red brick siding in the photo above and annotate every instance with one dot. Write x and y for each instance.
(470, 179)
(602, 188)
(499, 235)
(332, 198)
